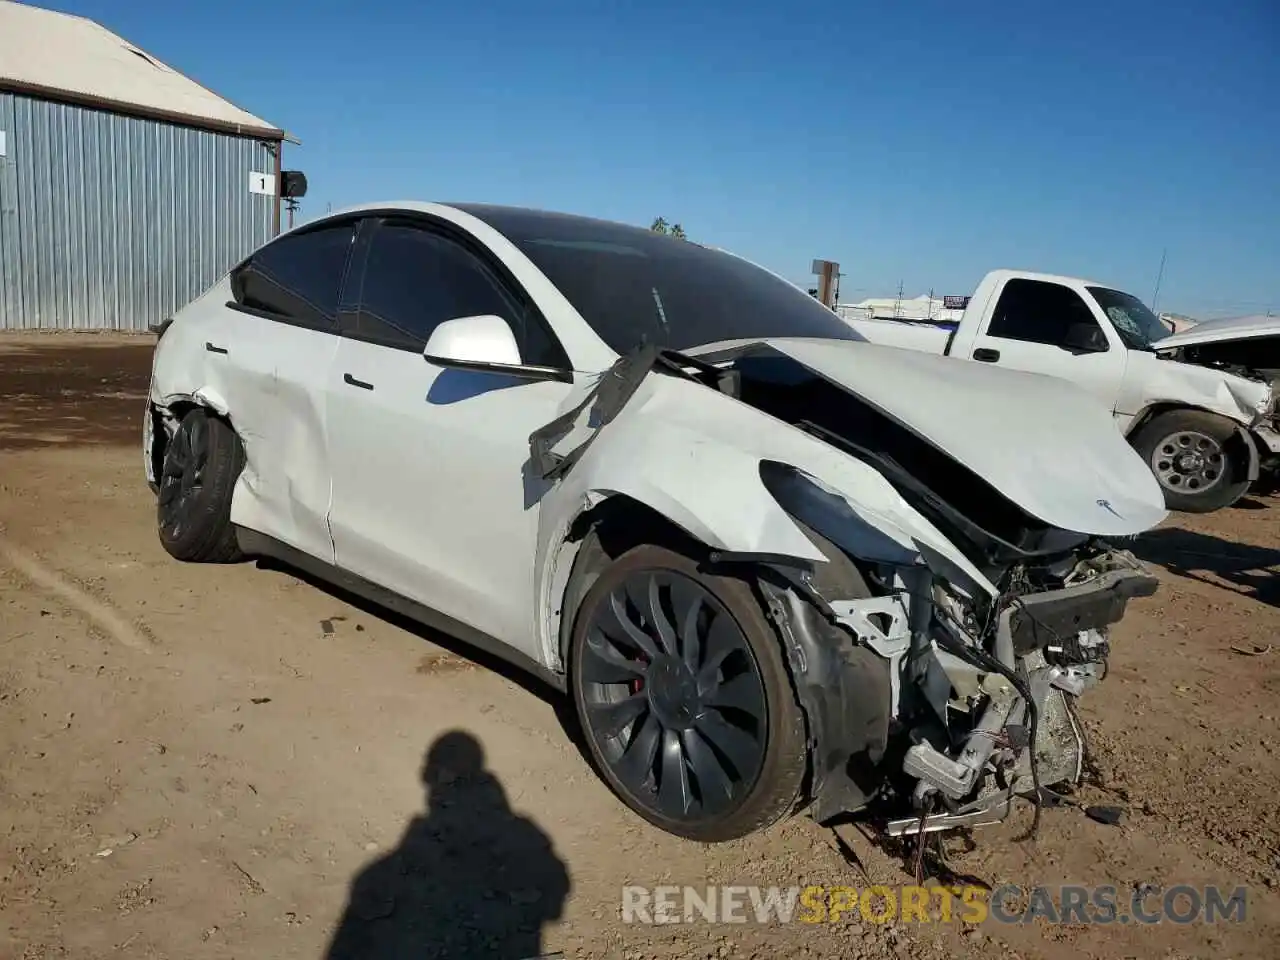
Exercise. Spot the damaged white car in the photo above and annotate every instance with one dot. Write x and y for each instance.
(1246, 347)
(775, 567)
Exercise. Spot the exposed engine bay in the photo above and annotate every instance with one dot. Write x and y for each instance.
(981, 701)
(1257, 358)
(981, 704)
(930, 702)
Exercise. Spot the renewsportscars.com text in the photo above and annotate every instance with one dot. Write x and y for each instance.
(1009, 903)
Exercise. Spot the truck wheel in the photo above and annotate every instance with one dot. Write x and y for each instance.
(201, 465)
(684, 697)
(1187, 451)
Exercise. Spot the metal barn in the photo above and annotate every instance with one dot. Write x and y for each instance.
(126, 188)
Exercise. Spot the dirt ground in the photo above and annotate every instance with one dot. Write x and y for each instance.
(211, 762)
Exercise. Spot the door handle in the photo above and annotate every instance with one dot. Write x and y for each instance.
(986, 355)
(214, 348)
(348, 378)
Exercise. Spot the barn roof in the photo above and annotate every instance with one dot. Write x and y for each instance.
(59, 56)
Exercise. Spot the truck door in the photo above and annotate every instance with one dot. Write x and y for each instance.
(1046, 327)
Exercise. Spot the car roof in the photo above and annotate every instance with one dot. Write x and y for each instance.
(1010, 274)
(485, 212)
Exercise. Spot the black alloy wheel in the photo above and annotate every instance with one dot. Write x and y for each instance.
(676, 701)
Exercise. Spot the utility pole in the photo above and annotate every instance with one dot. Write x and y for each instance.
(828, 272)
(897, 304)
(1155, 297)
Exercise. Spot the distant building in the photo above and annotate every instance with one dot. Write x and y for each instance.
(126, 188)
(1177, 322)
(921, 309)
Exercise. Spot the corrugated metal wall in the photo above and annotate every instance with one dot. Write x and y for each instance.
(112, 222)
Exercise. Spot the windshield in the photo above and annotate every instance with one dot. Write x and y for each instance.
(636, 287)
(1138, 327)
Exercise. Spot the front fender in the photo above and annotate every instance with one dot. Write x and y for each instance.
(1157, 383)
(694, 456)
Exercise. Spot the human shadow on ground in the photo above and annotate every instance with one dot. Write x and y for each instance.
(1250, 571)
(469, 878)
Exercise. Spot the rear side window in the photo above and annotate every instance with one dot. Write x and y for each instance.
(1039, 312)
(297, 278)
(415, 280)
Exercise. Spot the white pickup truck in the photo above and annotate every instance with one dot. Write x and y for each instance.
(1206, 432)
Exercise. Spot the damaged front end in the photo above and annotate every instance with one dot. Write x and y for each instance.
(981, 676)
(938, 633)
(979, 703)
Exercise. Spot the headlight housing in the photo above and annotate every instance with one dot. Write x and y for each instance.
(813, 503)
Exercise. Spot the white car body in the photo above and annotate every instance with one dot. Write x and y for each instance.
(1232, 329)
(409, 472)
(1134, 383)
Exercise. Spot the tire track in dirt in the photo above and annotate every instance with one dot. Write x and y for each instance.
(99, 613)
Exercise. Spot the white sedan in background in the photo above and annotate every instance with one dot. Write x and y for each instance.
(776, 568)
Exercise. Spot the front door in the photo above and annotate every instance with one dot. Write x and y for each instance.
(432, 495)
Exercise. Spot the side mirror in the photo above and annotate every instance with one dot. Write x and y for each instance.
(1085, 338)
(482, 341)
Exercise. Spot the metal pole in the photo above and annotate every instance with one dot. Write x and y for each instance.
(1155, 297)
(275, 202)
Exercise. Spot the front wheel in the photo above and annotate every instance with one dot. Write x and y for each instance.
(684, 698)
(1187, 452)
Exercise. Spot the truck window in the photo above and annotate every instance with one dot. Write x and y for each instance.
(1039, 312)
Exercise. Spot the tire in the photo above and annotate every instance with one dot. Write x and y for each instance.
(1211, 479)
(709, 752)
(202, 462)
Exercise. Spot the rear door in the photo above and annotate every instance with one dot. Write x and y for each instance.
(1028, 329)
(269, 357)
(433, 497)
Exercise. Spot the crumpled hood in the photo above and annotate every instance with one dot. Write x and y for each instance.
(1045, 444)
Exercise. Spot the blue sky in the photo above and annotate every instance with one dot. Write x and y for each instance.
(922, 142)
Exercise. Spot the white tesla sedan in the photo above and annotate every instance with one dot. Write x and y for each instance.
(775, 567)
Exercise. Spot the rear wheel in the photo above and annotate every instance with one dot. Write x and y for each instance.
(684, 698)
(1187, 451)
(202, 462)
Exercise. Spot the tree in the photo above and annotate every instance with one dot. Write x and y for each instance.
(660, 225)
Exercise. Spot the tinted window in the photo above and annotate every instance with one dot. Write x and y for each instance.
(415, 280)
(297, 277)
(634, 286)
(1039, 312)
